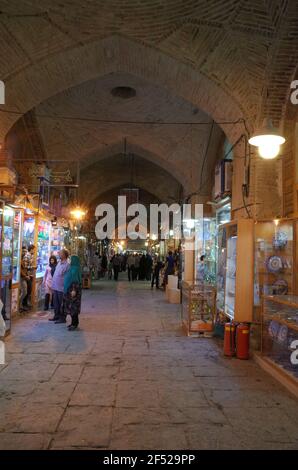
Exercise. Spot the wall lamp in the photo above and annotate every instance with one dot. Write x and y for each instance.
(268, 140)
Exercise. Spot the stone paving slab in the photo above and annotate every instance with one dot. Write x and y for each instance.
(130, 379)
(32, 418)
(67, 373)
(84, 426)
(99, 394)
(22, 441)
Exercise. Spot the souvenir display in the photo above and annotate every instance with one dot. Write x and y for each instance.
(7, 241)
(57, 240)
(43, 246)
(28, 230)
(6, 258)
(205, 270)
(280, 287)
(280, 331)
(280, 240)
(274, 246)
(274, 264)
(17, 224)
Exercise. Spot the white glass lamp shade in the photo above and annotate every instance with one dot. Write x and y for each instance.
(268, 140)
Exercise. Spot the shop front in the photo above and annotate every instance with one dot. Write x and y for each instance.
(17, 250)
(37, 232)
(6, 260)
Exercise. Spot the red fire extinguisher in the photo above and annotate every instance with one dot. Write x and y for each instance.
(229, 339)
(242, 341)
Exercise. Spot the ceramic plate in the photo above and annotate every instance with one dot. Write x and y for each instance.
(274, 264)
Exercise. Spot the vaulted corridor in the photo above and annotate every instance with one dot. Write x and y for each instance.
(129, 379)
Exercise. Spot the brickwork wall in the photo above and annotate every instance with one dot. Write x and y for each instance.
(230, 59)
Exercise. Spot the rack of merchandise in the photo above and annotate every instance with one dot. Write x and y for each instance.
(198, 309)
(57, 240)
(279, 348)
(17, 237)
(235, 260)
(6, 258)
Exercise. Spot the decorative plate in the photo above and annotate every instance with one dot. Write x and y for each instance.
(280, 240)
(280, 287)
(282, 334)
(274, 264)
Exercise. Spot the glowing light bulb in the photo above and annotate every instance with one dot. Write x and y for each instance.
(269, 151)
(268, 140)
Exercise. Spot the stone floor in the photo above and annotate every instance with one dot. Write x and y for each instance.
(130, 379)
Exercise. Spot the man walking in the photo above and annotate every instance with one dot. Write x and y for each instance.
(130, 267)
(155, 272)
(58, 287)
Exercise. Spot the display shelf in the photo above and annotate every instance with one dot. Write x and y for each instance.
(235, 270)
(198, 308)
(280, 332)
(274, 258)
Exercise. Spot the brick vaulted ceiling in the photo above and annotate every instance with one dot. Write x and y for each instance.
(224, 58)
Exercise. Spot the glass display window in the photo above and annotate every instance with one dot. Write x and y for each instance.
(274, 255)
(6, 250)
(236, 270)
(57, 240)
(280, 332)
(43, 246)
(17, 226)
(205, 269)
(7, 241)
(223, 214)
(230, 284)
(221, 268)
(29, 230)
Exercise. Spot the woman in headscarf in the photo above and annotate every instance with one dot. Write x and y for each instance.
(73, 292)
(47, 281)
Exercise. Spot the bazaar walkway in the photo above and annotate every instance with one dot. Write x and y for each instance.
(129, 379)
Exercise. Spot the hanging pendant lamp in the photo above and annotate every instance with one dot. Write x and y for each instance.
(268, 140)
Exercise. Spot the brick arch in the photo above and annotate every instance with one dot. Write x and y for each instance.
(170, 167)
(68, 68)
(102, 177)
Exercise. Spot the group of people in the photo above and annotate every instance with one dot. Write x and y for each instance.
(62, 283)
(138, 266)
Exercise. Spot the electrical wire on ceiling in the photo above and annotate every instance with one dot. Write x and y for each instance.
(111, 121)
